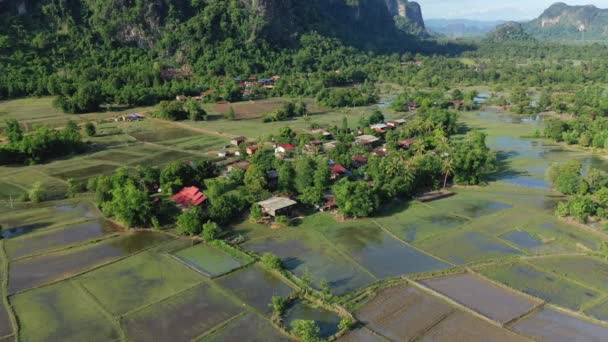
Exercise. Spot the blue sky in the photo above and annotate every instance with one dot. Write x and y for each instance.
(493, 9)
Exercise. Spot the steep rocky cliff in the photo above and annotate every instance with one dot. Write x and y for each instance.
(561, 21)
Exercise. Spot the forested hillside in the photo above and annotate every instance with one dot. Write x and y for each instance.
(90, 52)
(563, 22)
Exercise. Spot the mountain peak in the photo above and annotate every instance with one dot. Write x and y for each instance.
(562, 21)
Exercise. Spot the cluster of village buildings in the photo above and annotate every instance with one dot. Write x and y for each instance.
(277, 206)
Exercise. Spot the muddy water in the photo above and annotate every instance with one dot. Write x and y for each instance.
(32, 272)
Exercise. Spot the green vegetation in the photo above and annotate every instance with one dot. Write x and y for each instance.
(306, 330)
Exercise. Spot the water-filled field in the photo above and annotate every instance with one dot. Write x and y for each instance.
(547, 286)
(209, 260)
(248, 327)
(187, 315)
(256, 287)
(551, 325)
(482, 296)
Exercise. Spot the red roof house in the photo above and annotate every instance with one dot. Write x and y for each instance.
(251, 150)
(338, 169)
(189, 197)
(457, 103)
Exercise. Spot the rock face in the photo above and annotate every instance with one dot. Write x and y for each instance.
(413, 12)
(406, 9)
(561, 21)
(509, 31)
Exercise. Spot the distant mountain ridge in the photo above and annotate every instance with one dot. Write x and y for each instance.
(461, 28)
(564, 22)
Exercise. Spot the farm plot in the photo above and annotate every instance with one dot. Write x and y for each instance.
(546, 286)
(317, 257)
(464, 327)
(466, 247)
(587, 270)
(26, 177)
(201, 143)
(560, 237)
(469, 205)
(119, 156)
(59, 238)
(48, 215)
(360, 335)
(165, 158)
(599, 311)
(162, 133)
(8, 190)
(419, 222)
(522, 239)
(209, 260)
(482, 296)
(40, 270)
(402, 313)
(256, 287)
(86, 171)
(327, 321)
(182, 317)
(248, 327)
(137, 281)
(5, 322)
(62, 312)
(380, 253)
(551, 325)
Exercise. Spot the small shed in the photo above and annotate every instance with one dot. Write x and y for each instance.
(277, 206)
(251, 150)
(367, 140)
(240, 165)
(236, 141)
(284, 148)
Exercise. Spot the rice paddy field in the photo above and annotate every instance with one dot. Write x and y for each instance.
(491, 263)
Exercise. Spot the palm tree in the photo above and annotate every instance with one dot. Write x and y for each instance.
(447, 168)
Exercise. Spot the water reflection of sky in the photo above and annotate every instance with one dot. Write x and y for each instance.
(530, 159)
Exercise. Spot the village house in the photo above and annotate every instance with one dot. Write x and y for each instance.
(181, 98)
(273, 178)
(314, 146)
(406, 144)
(251, 150)
(359, 161)
(330, 145)
(379, 128)
(379, 153)
(326, 135)
(284, 148)
(189, 197)
(223, 153)
(457, 103)
(277, 206)
(412, 106)
(240, 165)
(236, 141)
(367, 140)
(395, 123)
(338, 171)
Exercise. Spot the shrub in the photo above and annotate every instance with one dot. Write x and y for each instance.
(306, 330)
(37, 193)
(282, 221)
(189, 222)
(210, 231)
(271, 261)
(90, 129)
(346, 324)
(278, 305)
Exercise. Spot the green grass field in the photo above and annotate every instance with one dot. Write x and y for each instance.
(209, 260)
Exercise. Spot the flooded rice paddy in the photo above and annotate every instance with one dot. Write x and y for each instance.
(482, 296)
(32, 272)
(248, 327)
(187, 315)
(208, 260)
(319, 259)
(550, 325)
(541, 284)
(266, 286)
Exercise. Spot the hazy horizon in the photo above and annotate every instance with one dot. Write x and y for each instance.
(484, 10)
